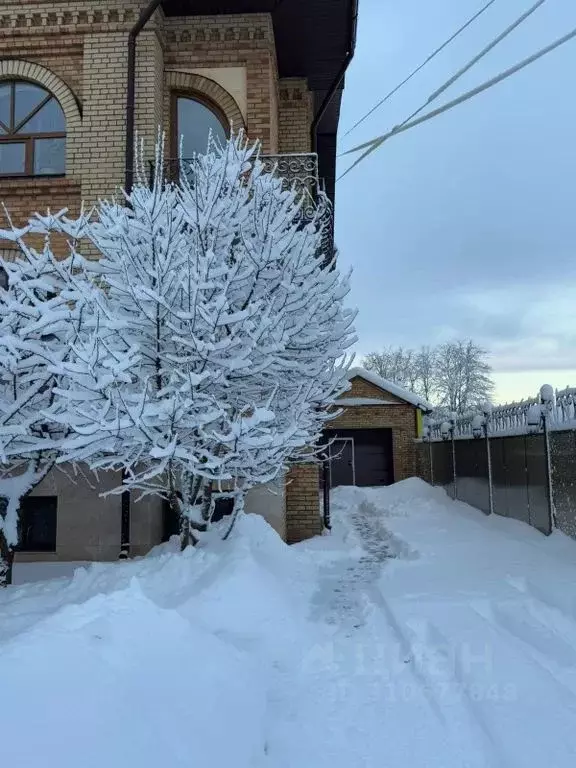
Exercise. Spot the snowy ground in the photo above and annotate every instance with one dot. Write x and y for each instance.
(419, 634)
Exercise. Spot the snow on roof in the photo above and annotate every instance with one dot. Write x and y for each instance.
(389, 386)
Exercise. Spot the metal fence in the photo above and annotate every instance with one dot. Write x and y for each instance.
(518, 461)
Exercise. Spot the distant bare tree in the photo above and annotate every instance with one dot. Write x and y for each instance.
(426, 364)
(463, 375)
(395, 364)
(455, 376)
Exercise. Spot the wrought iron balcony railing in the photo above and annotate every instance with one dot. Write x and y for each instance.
(296, 170)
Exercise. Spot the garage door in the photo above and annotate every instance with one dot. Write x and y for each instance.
(361, 457)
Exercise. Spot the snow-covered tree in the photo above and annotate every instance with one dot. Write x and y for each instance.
(396, 364)
(218, 338)
(463, 376)
(410, 368)
(39, 317)
(454, 375)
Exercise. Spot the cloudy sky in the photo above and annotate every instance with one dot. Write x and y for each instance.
(465, 226)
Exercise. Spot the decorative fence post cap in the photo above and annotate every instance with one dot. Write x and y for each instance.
(445, 429)
(478, 423)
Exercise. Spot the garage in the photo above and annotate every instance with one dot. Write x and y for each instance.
(362, 457)
(373, 433)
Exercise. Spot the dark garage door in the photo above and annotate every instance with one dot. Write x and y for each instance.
(371, 458)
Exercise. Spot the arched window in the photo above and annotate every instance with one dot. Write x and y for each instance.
(192, 120)
(32, 131)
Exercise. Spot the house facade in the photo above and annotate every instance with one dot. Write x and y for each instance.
(274, 68)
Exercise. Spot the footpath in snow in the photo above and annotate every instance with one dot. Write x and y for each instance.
(418, 634)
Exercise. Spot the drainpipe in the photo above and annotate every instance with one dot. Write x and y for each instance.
(145, 16)
(338, 79)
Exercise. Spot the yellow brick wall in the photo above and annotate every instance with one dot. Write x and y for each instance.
(303, 503)
(238, 40)
(294, 116)
(101, 152)
(149, 90)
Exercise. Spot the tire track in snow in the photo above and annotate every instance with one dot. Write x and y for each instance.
(535, 642)
(482, 746)
(474, 735)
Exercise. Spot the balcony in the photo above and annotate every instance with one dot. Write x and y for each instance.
(296, 170)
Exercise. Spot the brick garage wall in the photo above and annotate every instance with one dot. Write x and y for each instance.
(303, 503)
(228, 41)
(294, 116)
(400, 417)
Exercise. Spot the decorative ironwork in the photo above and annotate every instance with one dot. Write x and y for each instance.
(298, 171)
(521, 418)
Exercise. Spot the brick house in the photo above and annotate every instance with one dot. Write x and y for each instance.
(273, 67)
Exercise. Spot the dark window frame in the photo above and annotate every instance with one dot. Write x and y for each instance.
(27, 541)
(29, 139)
(175, 95)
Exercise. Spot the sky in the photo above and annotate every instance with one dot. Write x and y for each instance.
(465, 227)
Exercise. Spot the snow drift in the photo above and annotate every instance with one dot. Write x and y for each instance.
(161, 661)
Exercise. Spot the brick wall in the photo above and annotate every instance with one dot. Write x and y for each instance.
(238, 40)
(294, 116)
(101, 151)
(303, 503)
(22, 198)
(149, 90)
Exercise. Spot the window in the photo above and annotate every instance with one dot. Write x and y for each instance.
(32, 131)
(193, 119)
(37, 524)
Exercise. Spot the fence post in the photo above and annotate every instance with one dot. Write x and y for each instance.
(452, 437)
(487, 414)
(431, 453)
(547, 397)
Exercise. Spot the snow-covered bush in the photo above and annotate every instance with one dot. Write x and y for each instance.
(41, 310)
(217, 340)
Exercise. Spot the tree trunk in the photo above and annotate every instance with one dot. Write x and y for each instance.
(6, 562)
(208, 503)
(236, 512)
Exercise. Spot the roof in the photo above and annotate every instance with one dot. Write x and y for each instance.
(389, 386)
(312, 36)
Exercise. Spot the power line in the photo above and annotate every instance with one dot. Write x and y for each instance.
(484, 52)
(372, 145)
(439, 91)
(421, 66)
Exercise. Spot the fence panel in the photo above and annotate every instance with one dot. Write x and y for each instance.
(563, 451)
(442, 466)
(538, 501)
(516, 478)
(520, 483)
(472, 473)
(499, 485)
